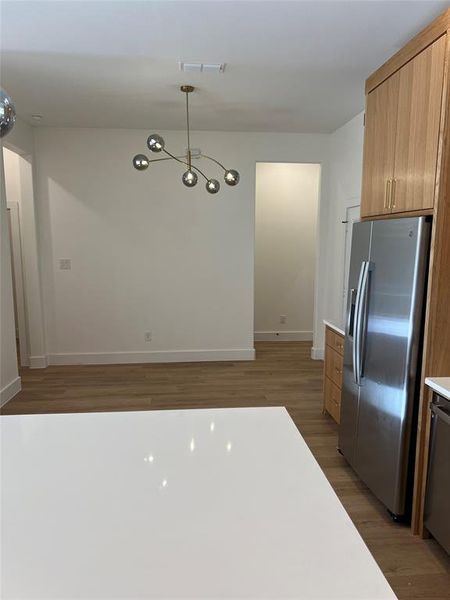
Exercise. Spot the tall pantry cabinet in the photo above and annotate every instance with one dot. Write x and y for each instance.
(406, 172)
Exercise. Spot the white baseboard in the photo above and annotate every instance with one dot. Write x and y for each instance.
(283, 336)
(38, 362)
(317, 353)
(163, 356)
(10, 390)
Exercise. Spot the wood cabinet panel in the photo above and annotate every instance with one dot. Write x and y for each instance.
(334, 350)
(379, 147)
(417, 129)
(332, 400)
(334, 340)
(417, 44)
(333, 366)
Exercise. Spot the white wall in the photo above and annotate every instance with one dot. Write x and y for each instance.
(287, 196)
(147, 253)
(343, 189)
(20, 182)
(121, 227)
(12, 175)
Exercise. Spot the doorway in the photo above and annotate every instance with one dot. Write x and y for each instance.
(286, 213)
(13, 199)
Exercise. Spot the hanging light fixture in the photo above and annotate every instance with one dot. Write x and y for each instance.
(156, 144)
(7, 114)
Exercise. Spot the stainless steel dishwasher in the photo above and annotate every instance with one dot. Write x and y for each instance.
(437, 501)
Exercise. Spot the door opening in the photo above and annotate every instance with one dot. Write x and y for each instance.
(13, 200)
(286, 204)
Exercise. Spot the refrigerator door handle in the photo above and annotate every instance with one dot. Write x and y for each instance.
(351, 313)
(363, 319)
(357, 325)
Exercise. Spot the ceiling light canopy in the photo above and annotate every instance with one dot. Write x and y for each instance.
(156, 144)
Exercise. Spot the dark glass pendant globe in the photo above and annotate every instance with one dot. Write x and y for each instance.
(231, 177)
(140, 162)
(190, 178)
(155, 142)
(7, 114)
(212, 186)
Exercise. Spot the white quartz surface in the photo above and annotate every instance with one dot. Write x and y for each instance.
(441, 385)
(225, 503)
(334, 327)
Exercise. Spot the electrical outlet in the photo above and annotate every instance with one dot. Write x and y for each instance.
(148, 336)
(283, 319)
(65, 264)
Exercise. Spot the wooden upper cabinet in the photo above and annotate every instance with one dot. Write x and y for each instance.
(401, 139)
(379, 147)
(417, 135)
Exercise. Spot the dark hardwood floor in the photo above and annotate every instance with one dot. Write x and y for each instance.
(282, 374)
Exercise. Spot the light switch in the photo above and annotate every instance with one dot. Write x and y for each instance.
(65, 264)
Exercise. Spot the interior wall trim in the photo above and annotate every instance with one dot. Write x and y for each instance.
(283, 336)
(162, 356)
(38, 362)
(10, 390)
(317, 353)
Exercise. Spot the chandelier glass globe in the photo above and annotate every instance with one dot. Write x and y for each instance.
(231, 177)
(190, 178)
(155, 142)
(7, 114)
(212, 186)
(140, 162)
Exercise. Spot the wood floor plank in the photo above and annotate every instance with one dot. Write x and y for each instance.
(283, 374)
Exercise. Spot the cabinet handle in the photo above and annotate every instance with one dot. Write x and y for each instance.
(394, 181)
(387, 194)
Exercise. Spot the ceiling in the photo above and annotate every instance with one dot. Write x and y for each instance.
(290, 66)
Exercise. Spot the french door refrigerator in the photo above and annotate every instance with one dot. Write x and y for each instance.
(385, 306)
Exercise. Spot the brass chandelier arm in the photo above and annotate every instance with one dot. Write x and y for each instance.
(166, 158)
(214, 160)
(186, 163)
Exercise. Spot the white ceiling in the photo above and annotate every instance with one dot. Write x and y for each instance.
(291, 66)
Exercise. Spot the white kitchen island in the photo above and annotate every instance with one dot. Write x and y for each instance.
(223, 503)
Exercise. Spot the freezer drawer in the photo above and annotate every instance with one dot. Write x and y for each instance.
(437, 502)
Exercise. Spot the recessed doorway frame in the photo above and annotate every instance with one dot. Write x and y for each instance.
(18, 281)
(317, 309)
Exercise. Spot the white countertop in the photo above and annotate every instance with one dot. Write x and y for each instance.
(334, 327)
(225, 503)
(441, 385)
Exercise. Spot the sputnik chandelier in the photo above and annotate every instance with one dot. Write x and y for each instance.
(156, 144)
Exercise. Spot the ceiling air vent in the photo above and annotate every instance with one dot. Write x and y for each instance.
(201, 67)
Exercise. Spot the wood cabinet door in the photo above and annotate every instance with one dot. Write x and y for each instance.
(418, 124)
(379, 147)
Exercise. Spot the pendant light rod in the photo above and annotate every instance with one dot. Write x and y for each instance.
(187, 89)
(188, 133)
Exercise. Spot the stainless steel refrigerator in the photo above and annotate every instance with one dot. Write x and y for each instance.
(385, 305)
